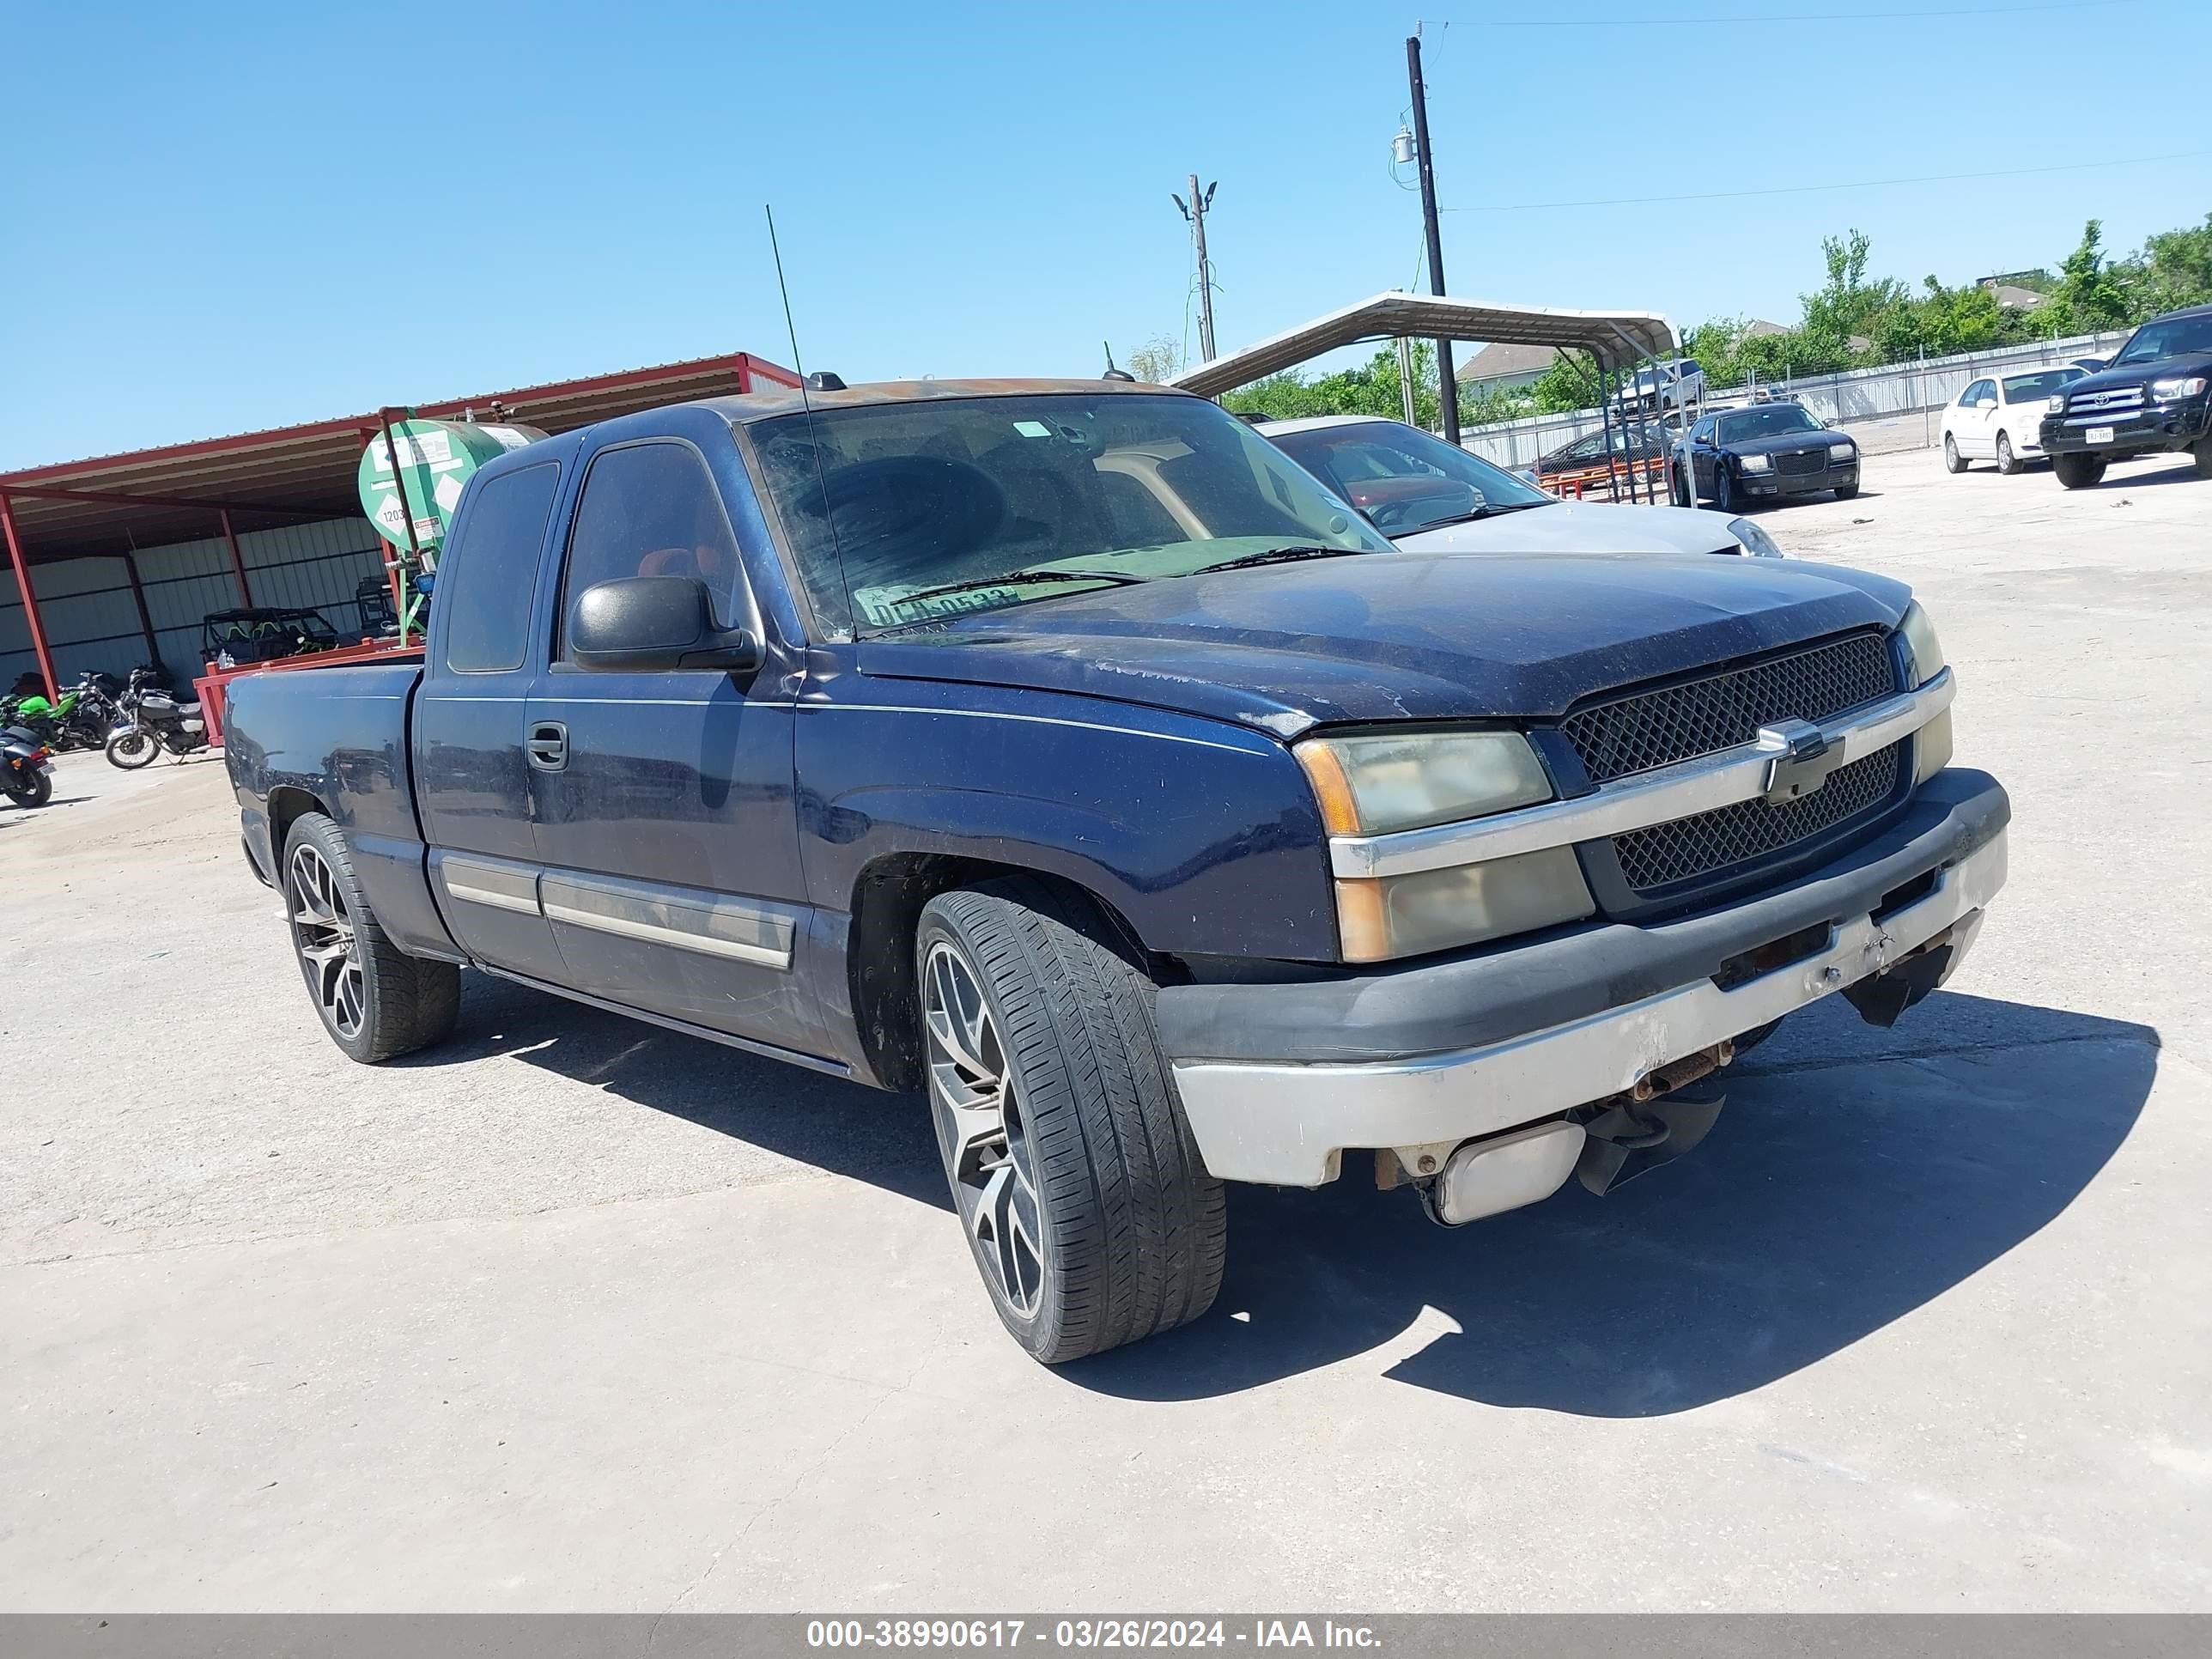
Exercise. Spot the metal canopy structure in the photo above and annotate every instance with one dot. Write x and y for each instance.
(1614, 338)
(115, 506)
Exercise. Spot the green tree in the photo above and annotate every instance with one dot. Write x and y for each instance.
(1570, 383)
(1844, 307)
(2174, 269)
(2088, 295)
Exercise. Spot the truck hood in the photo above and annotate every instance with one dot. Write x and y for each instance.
(1408, 636)
(1583, 527)
(2128, 375)
(1782, 442)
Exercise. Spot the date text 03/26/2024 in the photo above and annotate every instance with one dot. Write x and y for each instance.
(955, 1633)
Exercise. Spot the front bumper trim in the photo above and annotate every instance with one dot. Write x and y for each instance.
(1288, 1124)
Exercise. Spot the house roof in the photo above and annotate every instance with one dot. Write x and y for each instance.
(1503, 360)
(1759, 329)
(2015, 298)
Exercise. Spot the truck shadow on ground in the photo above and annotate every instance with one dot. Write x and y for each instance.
(1854, 1176)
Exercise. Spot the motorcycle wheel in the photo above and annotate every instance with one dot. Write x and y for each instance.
(132, 750)
(37, 792)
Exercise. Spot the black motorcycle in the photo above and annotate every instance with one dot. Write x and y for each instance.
(27, 775)
(149, 721)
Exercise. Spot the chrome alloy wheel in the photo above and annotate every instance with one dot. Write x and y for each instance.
(322, 934)
(982, 1129)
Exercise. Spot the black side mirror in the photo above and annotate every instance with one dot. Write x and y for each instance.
(651, 624)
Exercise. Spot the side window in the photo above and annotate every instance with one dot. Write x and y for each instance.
(1702, 432)
(490, 571)
(1976, 393)
(652, 510)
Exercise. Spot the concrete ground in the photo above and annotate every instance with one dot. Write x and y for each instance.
(576, 1314)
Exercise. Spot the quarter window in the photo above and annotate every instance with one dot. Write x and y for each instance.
(490, 570)
(652, 510)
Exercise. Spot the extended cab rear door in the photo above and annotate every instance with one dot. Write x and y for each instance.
(472, 785)
(667, 831)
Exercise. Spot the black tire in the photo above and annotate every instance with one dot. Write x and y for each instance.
(1131, 1231)
(1726, 498)
(133, 749)
(2078, 471)
(1678, 487)
(2203, 456)
(35, 791)
(2008, 463)
(398, 1003)
(1845, 492)
(1953, 462)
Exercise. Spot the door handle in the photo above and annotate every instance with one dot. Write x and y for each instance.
(547, 745)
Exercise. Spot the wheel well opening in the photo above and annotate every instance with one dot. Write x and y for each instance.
(286, 805)
(886, 912)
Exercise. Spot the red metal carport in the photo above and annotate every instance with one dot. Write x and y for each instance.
(111, 505)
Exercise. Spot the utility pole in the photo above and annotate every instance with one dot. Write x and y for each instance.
(1195, 213)
(1447, 385)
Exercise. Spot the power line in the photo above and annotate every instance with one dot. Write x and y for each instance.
(1738, 17)
(1799, 190)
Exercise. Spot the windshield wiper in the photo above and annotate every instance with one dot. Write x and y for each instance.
(1118, 578)
(1274, 556)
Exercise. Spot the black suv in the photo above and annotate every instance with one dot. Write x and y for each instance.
(2154, 399)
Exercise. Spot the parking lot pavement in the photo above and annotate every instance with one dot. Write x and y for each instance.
(576, 1313)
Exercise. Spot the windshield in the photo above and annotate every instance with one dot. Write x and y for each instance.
(1405, 479)
(2171, 337)
(945, 505)
(2028, 388)
(1774, 421)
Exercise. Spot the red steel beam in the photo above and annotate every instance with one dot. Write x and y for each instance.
(237, 562)
(30, 599)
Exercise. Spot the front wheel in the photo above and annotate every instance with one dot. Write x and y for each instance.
(1085, 1205)
(1678, 488)
(376, 1002)
(1845, 492)
(2078, 471)
(2008, 463)
(132, 749)
(1726, 497)
(35, 789)
(2203, 456)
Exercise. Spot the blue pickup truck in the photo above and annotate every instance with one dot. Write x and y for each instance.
(1063, 751)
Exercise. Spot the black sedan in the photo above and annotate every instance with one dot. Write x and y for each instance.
(1740, 456)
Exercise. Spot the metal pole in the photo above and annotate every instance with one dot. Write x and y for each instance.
(406, 512)
(145, 616)
(237, 559)
(1604, 392)
(1447, 382)
(1205, 273)
(1406, 379)
(30, 599)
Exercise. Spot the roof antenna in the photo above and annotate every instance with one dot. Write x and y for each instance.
(813, 437)
(1112, 373)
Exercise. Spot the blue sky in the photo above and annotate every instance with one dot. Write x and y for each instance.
(220, 217)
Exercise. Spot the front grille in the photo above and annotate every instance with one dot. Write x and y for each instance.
(2113, 400)
(1748, 830)
(1799, 462)
(1644, 729)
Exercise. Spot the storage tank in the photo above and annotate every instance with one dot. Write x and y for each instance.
(436, 458)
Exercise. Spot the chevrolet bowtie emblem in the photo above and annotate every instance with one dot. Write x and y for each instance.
(1803, 757)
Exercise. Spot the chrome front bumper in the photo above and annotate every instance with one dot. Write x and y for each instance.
(1288, 1124)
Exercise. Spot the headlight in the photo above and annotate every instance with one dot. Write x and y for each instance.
(1755, 463)
(1377, 784)
(2056, 405)
(1756, 542)
(1920, 639)
(1842, 452)
(2179, 385)
(1463, 904)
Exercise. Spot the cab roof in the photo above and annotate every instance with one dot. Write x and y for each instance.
(772, 401)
